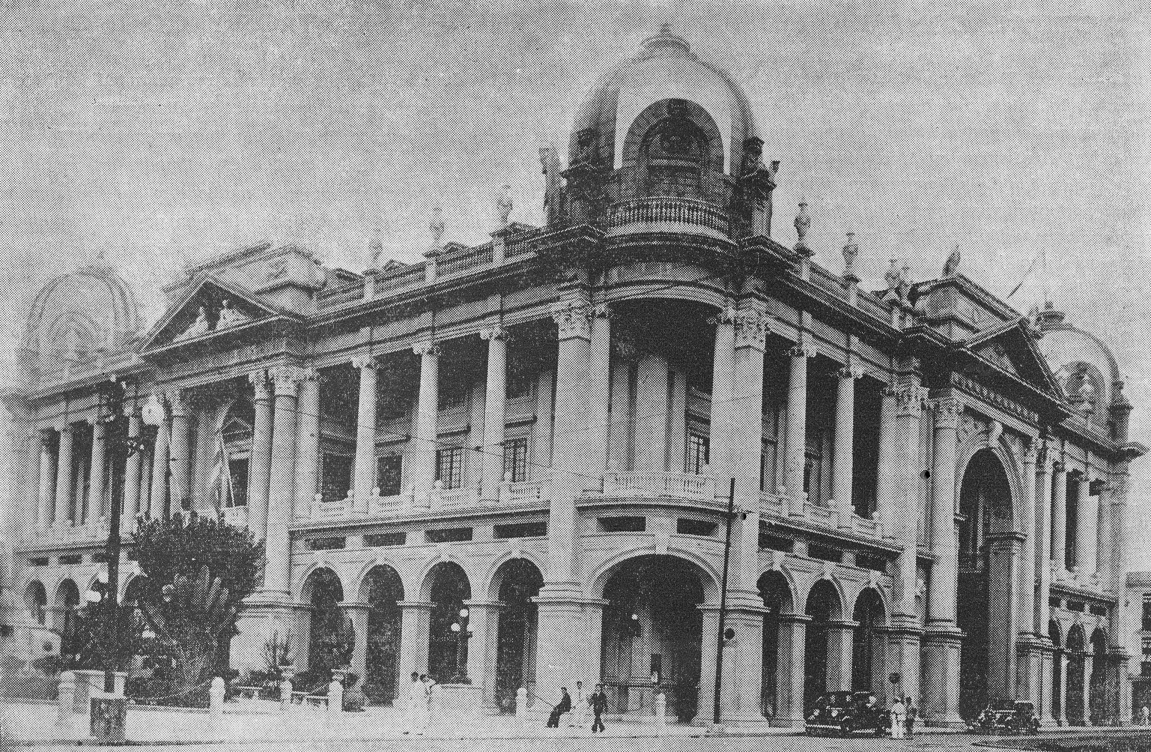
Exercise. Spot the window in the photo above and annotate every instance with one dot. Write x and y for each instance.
(70, 559)
(376, 540)
(449, 535)
(825, 553)
(775, 542)
(325, 544)
(871, 561)
(1145, 667)
(688, 526)
(1146, 614)
(450, 466)
(516, 459)
(237, 487)
(336, 477)
(520, 530)
(697, 453)
(38, 561)
(388, 474)
(623, 524)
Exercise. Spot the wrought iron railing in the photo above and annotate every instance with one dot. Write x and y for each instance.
(669, 211)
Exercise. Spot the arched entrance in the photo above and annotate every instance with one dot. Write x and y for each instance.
(1057, 673)
(776, 595)
(1098, 679)
(1076, 675)
(329, 635)
(988, 553)
(652, 629)
(447, 652)
(867, 644)
(823, 606)
(519, 581)
(36, 601)
(64, 605)
(384, 592)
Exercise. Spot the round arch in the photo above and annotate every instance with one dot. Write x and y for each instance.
(682, 120)
(322, 627)
(363, 580)
(824, 605)
(303, 585)
(515, 584)
(1012, 469)
(426, 577)
(868, 656)
(777, 590)
(382, 589)
(708, 576)
(1078, 676)
(496, 571)
(36, 601)
(448, 588)
(827, 590)
(1096, 679)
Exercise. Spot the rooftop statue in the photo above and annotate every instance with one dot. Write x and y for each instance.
(198, 327)
(437, 226)
(504, 205)
(952, 264)
(802, 225)
(375, 250)
(850, 251)
(229, 316)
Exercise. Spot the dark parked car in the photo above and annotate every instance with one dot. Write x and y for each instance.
(847, 713)
(1006, 717)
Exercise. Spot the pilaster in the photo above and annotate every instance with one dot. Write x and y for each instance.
(495, 411)
(740, 694)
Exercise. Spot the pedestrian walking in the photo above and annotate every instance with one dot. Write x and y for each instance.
(425, 705)
(412, 703)
(912, 713)
(578, 717)
(598, 703)
(898, 716)
(1144, 716)
(564, 706)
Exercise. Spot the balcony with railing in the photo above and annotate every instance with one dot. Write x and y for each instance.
(438, 500)
(832, 517)
(667, 214)
(95, 531)
(640, 484)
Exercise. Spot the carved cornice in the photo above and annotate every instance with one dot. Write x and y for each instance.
(428, 347)
(909, 399)
(573, 319)
(994, 398)
(947, 411)
(496, 332)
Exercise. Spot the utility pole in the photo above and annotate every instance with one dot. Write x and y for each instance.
(720, 635)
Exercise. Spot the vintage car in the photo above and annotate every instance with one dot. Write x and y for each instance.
(1006, 717)
(846, 713)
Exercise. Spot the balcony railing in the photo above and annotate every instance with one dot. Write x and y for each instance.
(656, 484)
(669, 211)
(832, 516)
(439, 499)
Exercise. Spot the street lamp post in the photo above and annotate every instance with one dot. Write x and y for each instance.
(460, 627)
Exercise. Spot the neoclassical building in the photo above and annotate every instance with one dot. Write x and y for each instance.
(543, 431)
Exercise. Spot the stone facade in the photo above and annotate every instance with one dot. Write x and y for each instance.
(535, 441)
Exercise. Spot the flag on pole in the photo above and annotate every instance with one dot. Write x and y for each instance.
(1039, 257)
(221, 477)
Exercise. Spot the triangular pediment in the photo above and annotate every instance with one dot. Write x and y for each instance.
(1011, 349)
(209, 306)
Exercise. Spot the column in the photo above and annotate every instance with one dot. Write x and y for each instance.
(790, 669)
(1063, 658)
(839, 654)
(599, 384)
(96, 473)
(650, 413)
(63, 516)
(1046, 716)
(797, 419)
(158, 504)
(180, 452)
(259, 468)
(495, 411)
(357, 613)
(308, 443)
(721, 442)
(1005, 554)
(943, 639)
(843, 455)
(131, 475)
(1059, 516)
(45, 496)
(282, 486)
(1029, 647)
(1104, 556)
(365, 470)
(1085, 532)
(483, 624)
(1086, 657)
(415, 618)
(423, 473)
(742, 671)
(1042, 540)
(885, 464)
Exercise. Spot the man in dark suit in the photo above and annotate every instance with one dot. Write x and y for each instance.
(564, 706)
(598, 702)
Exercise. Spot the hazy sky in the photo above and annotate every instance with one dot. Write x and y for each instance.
(162, 131)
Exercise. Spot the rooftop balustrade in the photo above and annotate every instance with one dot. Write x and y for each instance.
(675, 212)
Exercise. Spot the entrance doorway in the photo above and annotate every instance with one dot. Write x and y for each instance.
(519, 582)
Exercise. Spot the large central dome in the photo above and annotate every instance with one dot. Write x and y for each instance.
(664, 69)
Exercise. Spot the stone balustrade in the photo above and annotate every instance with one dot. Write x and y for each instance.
(659, 484)
(832, 516)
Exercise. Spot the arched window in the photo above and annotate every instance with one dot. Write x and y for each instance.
(673, 156)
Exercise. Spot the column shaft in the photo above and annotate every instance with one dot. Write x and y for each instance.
(44, 495)
(746, 427)
(158, 503)
(180, 453)
(839, 654)
(944, 573)
(365, 470)
(308, 443)
(281, 490)
(843, 454)
(1042, 541)
(1059, 516)
(131, 477)
(790, 669)
(427, 412)
(1085, 532)
(483, 623)
(1025, 618)
(885, 464)
(259, 469)
(909, 410)
(797, 419)
(599, 386)
(64, 477)
(414, 623)
(495, 412)
(96, 473)
(721, 442)
(650, 414)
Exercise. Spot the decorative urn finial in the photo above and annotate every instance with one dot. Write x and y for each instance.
(375, 249)
(802, 224)
(437, 227)
(850, 251)
(892, 277)
(504, 205)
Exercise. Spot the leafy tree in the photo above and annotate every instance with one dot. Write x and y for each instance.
(86, 642)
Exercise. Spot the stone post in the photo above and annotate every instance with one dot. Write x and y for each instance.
(844, 451)
(365, 470)
(281, 489)
(180, 457)
(96, 473)
(216, 700)
(63, 516)
(790, 670)
(307, 443)
(495, 412)
(335, 697)
(885, 486)
(661, 714)
(522, 705)
(1059, 515)
(797, 418)
(1046, 711)
(1085, 530)
(66, 696)
(131, 475)
(427, 412)
(260, 467)
(286, 694)
(44, 497)
(839, 654)
(415, 617)
(1064, 660)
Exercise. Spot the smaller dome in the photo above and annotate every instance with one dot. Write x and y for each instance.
(665, 68)
(1085, 366)
(77, 315)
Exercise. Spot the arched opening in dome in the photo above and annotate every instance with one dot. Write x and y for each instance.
(674, 145)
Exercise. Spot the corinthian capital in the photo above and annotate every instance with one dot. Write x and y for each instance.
(177, 400)
(573, 318)
(427, 347)
(802, 350)
(286, 379)
(909, 399)
(496, 332)
(947, 412)
(1031, 453)
(726, 315)
(602, 311)
(751, 328)
(850, 371)
(260, 384)
(360, 362)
